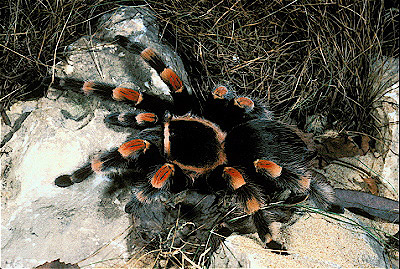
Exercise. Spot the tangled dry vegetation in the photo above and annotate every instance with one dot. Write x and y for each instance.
(303, 57)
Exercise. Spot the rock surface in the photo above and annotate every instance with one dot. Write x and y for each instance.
(56, 135)
(41, 222)
(84, 223)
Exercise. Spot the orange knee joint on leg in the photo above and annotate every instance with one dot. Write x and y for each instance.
(220, 92)
(235, 178)
(96, 164)
(172, 79)
(153, 59)
(125, 94)
(135, 146)
(162, 175)
(148, 54)
(269, 167)
(88, 87)
(143, 118)
(244, 102)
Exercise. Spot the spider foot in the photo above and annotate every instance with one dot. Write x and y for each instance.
(277, 247)
(63, 181)
(76, 177)
(266, 231)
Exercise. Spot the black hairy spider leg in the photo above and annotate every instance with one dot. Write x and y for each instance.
(111, 162)
(132, 154)
(154, 60)
(76, 177)
(309, 185)
(164, 180)
(139, 99)
(133, 119)
(182, 98)
(283, 179)
(224, 107)
(250, 196)
(267, 231)
(322, 195)
(242, 109)
(81, 86)
(216, 104)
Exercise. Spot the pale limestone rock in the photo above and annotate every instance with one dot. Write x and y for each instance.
(55, 136)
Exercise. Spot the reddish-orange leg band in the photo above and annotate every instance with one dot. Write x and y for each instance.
(162, 175)
(171, 78)
(236, 179)
(122, 94)
(134, 146)
(270, 167)
(220, 92)
(244, 102)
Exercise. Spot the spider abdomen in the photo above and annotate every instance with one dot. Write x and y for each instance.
(194, 144)
(269, 140)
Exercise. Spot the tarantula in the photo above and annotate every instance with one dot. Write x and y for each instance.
(228, 145)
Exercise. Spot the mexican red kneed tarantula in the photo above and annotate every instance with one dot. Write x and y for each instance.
(228, 145)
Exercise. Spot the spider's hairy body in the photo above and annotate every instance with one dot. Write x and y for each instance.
(229, 146)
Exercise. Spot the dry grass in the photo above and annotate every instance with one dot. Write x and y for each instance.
(33, 33)
(302, 57)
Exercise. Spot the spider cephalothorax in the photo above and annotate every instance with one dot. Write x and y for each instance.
(194, 144)
(228, 145)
